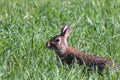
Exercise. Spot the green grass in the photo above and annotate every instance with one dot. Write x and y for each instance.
(26, 25)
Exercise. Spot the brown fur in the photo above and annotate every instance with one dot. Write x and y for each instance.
(68, 54)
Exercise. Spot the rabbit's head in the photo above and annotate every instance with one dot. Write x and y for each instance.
(59, 42)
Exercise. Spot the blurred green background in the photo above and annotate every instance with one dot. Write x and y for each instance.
(26, 25)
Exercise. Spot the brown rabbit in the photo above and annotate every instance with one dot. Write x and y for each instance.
(67, 54)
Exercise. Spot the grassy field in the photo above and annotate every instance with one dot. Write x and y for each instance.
(26, 25)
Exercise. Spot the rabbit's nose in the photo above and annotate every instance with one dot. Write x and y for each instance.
(47, 44)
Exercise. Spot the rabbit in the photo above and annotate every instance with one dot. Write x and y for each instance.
(68, 54)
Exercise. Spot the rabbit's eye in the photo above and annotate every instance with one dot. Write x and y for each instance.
(57, 40)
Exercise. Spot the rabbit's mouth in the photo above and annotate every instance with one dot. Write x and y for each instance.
(52, 47)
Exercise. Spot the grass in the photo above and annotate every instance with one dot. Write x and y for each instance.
(26, 25)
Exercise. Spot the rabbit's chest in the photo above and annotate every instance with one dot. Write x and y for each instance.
(68, 58)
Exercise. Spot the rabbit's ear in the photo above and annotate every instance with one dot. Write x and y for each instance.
(65, 31)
